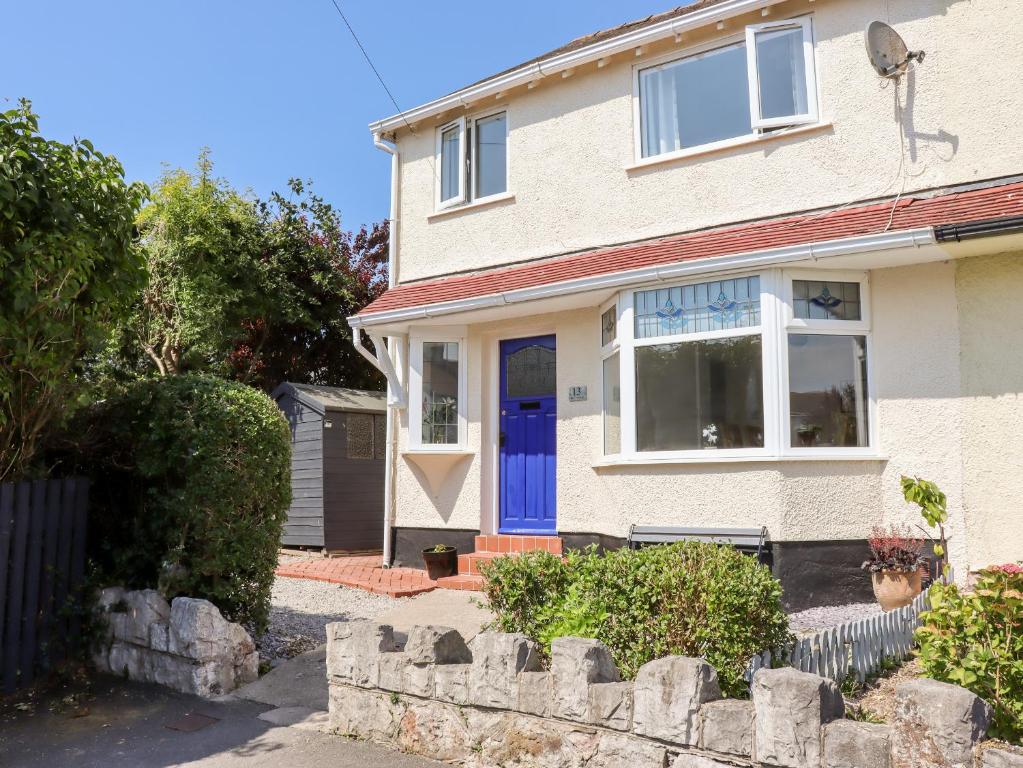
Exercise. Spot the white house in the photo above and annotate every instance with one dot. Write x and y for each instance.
(711, 269)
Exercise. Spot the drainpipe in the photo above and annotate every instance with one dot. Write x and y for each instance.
(391, 445)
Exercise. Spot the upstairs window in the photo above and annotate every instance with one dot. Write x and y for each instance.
(472, 159)
(762, 82)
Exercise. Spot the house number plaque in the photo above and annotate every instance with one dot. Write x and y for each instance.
(576, 394)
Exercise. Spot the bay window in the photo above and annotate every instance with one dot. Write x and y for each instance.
(773, 364)
(437, 376)
(762, 81)
(472, 159)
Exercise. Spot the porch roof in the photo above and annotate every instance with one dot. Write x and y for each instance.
(910, 213)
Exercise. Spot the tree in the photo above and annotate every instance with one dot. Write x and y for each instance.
(314, 275)
(202, 241)
(69, 268)
(253, 290)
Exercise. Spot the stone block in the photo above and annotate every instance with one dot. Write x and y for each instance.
(497, 659)
(849, 744)
(435, 730)
(159, 637)
(392, 670)
(364, 714)
(451, 683)
(139, 609)
(354, 649)
(791, 707)
(692, 760)
(436, 645)
(576, 663)
(937, 725)
(127, 660)
(610, 705)
(668, 696)
(534, 693)
(247, 670)
(726, 726)
(1000, 758)
(419, 679)
(197, 630)
(619, 750)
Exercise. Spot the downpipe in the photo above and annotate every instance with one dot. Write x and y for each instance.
(391, 426)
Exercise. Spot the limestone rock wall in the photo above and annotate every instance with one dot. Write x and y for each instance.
(489, 703)
(185, 645)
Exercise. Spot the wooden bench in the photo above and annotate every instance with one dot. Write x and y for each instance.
(748, 540)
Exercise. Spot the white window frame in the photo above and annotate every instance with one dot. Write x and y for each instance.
(759, 128)
(417, 338)
(474, 167)
(458, 199)
(776, 322)
(752, 70)
(610, 349)
(469, 161)
(861, 327)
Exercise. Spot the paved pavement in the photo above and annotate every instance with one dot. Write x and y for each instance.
(129, 725)
(366, 572)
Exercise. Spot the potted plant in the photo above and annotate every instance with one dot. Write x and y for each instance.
(808, 435)
(441, 561)
(895, 566)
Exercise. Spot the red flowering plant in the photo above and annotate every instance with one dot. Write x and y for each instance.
(893, 549)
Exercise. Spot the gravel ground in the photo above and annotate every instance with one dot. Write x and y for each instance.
(301, 608)
(814, 619)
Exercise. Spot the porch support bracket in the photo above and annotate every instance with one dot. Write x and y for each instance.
(397, 397)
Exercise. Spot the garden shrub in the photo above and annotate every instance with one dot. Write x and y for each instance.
(975, 639)
(689, 599)
(191, 490)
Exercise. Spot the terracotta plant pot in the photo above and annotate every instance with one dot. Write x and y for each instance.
(895, 589)
(440, 564)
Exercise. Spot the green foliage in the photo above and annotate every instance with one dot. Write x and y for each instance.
(191, 489)
(258, 291)
(69, 266)
(691, 599)
(976, 640)
(202, 243)
(934, 509)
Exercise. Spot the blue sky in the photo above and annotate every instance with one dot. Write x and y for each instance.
(276, 88)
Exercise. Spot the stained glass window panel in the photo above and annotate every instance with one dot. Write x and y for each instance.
(608, 326)
(826, 300)
(711, 306)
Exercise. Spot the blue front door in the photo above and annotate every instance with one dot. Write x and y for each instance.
(529, 410)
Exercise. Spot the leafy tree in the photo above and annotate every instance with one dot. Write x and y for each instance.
(202, 241)
(253, 290)
(313, 275)
(69, 267)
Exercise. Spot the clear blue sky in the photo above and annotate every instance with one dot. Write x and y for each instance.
(276, 88)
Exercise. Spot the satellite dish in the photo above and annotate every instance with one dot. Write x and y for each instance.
(887, 50)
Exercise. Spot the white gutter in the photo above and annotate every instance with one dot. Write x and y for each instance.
(570, 59)
(885, 241)
(385, 356)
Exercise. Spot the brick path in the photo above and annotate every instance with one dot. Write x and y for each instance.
(365, 572)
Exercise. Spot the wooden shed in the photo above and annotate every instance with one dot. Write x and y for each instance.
(337, 466)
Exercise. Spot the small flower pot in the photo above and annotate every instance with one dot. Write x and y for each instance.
(440, 564)
(896, 589)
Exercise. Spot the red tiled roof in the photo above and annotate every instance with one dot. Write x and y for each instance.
(910, 213)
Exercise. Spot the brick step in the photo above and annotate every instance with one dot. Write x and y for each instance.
(462, 581)
(469, 565)
(505, 543)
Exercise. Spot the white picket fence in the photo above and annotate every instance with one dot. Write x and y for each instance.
(857, 647)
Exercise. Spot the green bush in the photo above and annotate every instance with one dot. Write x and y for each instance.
(976, 640)
(689, 599)
(191, 489)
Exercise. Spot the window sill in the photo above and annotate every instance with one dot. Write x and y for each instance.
(722, 146)
(435, 450)
(504, 197)
(612, 462)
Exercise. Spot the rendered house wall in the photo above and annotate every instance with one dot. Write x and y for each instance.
(948, 410)
(571, 141)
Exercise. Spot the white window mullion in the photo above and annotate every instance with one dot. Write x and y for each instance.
(773, 329)
(626, 333)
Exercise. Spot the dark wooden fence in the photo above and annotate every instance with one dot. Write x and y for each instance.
(42, 565)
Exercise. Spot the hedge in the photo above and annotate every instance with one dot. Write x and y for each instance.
(191, 490)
